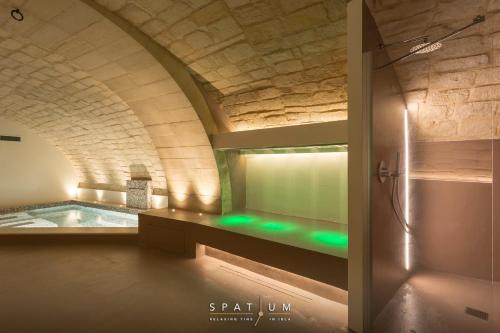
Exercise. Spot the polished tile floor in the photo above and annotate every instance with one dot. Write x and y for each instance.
(432, 302)
(124, 288)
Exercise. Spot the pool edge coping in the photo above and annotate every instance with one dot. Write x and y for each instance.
(89, 204)
(70, 231)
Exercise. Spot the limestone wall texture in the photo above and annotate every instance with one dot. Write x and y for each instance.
(267, 62)
(76, 78)
(98, 133)
(89, 88)
(456, 88)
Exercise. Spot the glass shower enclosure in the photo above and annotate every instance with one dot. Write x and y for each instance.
(434, 183)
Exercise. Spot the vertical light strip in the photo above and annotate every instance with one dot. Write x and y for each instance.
(407, 187)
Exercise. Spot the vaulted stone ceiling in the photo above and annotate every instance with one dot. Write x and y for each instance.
(80, 81)
(456, 88)
(110, 104)
(97, 131)
(266, 62)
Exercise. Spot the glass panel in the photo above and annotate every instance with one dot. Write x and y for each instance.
(434, 219)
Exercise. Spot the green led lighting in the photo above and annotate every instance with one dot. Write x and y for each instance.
(330, 238)
(236, 220)
(284, 230)
(276, 226)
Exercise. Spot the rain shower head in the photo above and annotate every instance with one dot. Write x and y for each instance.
(427, 47)
(422, 38)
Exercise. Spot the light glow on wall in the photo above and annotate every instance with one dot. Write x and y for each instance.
(99, 194)
(412, 107)
(160, 201)
(308, 185)
(179, 196)
(124, 197)
(179, 190)
(72, 191)
(407, 187)
(207, 199)
(202, 185)
(206, 189)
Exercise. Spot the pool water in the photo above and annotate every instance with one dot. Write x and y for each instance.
(68, 216)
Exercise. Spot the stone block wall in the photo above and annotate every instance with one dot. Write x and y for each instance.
(456, 89)
(97, 132)
(267, 63)
(139, 194)
(75, 77)
(109, 103)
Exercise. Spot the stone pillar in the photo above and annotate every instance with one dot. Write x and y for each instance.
(139, 193)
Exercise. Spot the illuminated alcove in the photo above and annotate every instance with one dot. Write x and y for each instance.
(308, 182)
(293, 193)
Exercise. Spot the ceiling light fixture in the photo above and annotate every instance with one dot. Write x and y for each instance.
(16, 14)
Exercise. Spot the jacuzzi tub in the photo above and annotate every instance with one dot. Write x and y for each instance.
(70, 215)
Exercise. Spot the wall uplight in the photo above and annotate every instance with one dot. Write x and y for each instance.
(72, 192)
(99, 194)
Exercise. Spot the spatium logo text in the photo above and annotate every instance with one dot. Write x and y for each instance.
(249, 312)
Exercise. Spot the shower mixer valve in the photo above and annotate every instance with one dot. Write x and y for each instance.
(384, 173)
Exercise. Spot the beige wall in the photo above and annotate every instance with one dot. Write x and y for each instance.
(32, 171)
(458, 211)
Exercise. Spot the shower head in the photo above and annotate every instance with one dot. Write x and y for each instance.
(422, 38)
(426, 48)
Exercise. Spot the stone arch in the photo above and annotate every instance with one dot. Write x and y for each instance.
(105, 101)
(266, 63)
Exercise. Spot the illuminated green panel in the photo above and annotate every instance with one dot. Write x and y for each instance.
(330, 238)
(236, 220)
(312, 186)
(276, 226)
(300, 234)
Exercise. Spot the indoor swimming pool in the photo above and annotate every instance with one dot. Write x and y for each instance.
(72, 215)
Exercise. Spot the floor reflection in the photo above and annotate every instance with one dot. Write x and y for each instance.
(431, 302)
